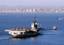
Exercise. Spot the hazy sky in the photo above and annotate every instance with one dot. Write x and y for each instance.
(32, 3)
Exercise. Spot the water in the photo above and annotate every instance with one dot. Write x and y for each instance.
(46, 20)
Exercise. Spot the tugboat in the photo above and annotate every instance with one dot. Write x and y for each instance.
(25, 32)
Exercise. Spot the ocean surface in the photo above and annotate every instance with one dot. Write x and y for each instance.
(46, 20)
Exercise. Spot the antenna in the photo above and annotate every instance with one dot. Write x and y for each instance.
(35, 19)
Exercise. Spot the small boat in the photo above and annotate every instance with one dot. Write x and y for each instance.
(25, 32)
(54, 28)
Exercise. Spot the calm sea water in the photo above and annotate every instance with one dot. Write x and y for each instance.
(46, 20)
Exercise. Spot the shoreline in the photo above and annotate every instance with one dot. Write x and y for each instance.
(31, 10)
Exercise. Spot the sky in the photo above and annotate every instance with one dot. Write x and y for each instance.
(32, 3)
